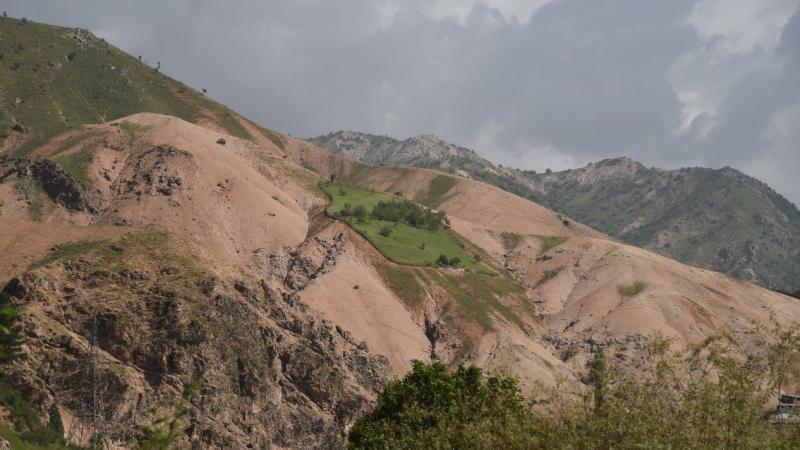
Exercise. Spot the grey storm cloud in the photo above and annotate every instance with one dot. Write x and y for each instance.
(529, 84)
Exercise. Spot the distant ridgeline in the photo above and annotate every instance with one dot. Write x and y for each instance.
(719, 219)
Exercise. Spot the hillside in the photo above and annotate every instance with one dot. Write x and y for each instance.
(720, 219)
(429, 152)
(149, 257)
(53, 79)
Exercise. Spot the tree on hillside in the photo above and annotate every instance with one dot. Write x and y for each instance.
(705, 398)
(434, 408)
(9, 331)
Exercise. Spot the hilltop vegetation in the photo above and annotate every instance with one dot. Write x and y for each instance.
(403, 231)
(53, 79)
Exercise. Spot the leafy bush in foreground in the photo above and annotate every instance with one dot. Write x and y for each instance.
(707, 398)
(434, 408)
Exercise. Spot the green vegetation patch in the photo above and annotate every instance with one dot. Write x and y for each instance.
(37, 199)
(133, 130)
(548, 242)
(548, 275)
(725, 405)
(275, 137)
(631, 290)
(65, 252)
(129, 253)
(77, 165)
(402, 281)
(480, 295)
(403, 243)
(66, 77)
(28, 432)
(232, 126)
(437, 190)
(511, 240)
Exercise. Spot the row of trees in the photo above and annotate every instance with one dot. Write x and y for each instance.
(710, 397)
(398, 211)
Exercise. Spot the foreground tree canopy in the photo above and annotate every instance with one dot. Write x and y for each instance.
(708, 398)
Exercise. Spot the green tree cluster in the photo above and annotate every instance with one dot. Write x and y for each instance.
(409, 213)
(434, 408)
(9, 331)
(710, 397)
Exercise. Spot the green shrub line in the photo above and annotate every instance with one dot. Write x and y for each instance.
(631, 290)
(437, 191)
(549, 242)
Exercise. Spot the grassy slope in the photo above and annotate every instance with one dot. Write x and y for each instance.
(405, 243)
(479, 295)
(65, 79)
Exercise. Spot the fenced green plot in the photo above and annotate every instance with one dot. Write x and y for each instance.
(414, 235)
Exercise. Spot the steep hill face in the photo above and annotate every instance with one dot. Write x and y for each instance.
(429, 152)
(53, 79)
(150, 220)
(149, 254)
(720, 219)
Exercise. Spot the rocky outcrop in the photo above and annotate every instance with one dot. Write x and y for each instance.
(299, 266)
(61, 187)
(53, 179)
(268, 372)
(155, 173)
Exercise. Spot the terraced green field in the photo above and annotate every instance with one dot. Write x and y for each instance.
(404, 244)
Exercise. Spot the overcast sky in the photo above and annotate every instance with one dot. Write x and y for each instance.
(530, 84)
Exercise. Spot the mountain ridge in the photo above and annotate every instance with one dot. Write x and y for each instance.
(679, 213)
(177, 255)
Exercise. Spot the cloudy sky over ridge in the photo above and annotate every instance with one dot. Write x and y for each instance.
(531, 84)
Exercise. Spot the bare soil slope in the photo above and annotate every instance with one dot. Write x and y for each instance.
(260, 256)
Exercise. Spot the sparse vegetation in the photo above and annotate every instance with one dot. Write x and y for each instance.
(548, 275)
(230, 123)
(133, 130)
(631, 290)
(437, 191)
(165, 429)
(66, 252)
(549, 242)
(83, 80)
(37, 200)
(402, 281)
(77, 165)
(511, 240)
(479, 295)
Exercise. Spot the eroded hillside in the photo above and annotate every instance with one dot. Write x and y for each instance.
(720, 219)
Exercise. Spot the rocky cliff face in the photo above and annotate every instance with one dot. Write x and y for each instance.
(268, 371)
